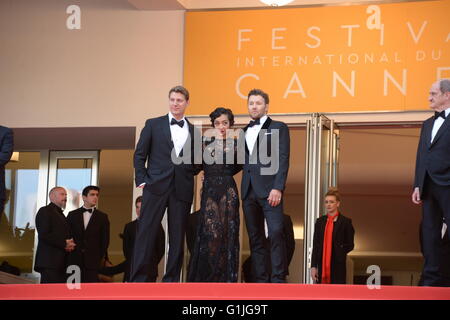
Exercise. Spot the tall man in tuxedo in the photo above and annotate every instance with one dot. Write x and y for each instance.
(90, 229)
(6, 150)
(432, 180)
(164, 168)
(262, 187)
(54, 239)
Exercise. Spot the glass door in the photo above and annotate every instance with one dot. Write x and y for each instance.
(322, 153)
(23, 176)
(73, 170)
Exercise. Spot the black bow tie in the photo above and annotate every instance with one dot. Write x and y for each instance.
(439, 114)
(89, 210)
(253, 122)
(174, 121)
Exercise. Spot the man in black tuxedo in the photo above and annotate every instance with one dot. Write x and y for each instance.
(164, 168)
(129, 239)
(265, 171)
(90, 229)
(54, 238)
(432, 180)
(129, 236)
(6, 150)
(290, 248)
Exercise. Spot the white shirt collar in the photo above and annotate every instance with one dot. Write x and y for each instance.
(262, 120)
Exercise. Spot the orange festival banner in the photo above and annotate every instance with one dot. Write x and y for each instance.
(318, 59)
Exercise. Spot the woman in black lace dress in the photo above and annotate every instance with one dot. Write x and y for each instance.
(215, 257)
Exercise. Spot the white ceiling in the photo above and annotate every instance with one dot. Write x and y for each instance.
(229, 4)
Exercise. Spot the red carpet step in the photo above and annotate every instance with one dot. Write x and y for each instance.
(216, 291)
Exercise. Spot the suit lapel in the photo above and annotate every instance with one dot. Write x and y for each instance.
(92, 220)
(190, 138)
(245, 141)
(323, 224)
(59, 214)
(266, 123)
(337, 225)
(166, 130)
(80, 219)
(441, 130)
(191, 128)
(262, 133)
(191, 134)
(428, 127)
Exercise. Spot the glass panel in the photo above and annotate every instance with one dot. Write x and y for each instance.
(321, 173)
(294, 201)
(324, 164)
(335, 157)
(17, 223)
(73, 175)
(116, 199)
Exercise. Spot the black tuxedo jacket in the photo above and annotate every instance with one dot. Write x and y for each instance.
(343, 237)
(53, 230)
(433, 158)
(262, 184)
(153, 161)
(129, 237)
(92, 243)
(6, 150)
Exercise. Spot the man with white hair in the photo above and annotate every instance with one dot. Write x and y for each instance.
(432, 181)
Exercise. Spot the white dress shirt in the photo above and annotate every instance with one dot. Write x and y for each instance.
(438, 123)
(179, 135)
(86, 217)
(252, 134)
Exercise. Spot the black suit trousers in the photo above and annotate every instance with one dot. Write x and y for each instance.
(436, 206)
(152, 212)
(255, 210)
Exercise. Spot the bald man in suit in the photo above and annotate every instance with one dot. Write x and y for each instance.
(55, 240)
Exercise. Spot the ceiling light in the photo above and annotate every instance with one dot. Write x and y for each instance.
(298, 232)
(276, 3)
(15, 157)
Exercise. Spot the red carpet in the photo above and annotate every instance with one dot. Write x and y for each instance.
(217, 291)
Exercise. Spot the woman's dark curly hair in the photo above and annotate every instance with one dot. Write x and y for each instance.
(220, 111)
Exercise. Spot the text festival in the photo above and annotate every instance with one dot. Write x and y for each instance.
(312, 40)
